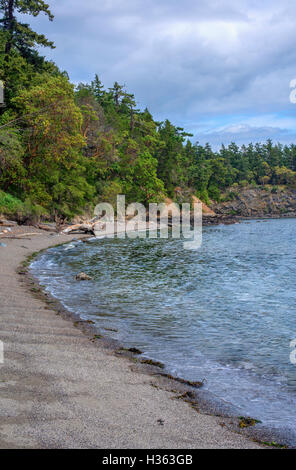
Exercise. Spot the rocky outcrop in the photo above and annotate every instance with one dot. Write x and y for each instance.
(209, 217)
(258, 202)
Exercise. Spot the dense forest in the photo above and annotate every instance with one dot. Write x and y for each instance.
(65, 148)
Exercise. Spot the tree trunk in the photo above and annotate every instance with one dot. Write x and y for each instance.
(132, 120)
(9, 26)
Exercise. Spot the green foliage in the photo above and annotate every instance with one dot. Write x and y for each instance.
(53, 143)
(141, 182)
(10, 205)
(12, 171)
(63, 150)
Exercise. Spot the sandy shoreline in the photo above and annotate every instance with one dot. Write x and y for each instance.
(59, 388)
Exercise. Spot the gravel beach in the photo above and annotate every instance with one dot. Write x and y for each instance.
(59, 389)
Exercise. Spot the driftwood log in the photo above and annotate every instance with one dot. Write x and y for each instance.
(86, 228)
(7, 223)
(22, 236)
(15, 238)
(47, 228)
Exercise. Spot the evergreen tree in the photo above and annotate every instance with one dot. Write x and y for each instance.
(63, 151)
(19, 35)
(98, 89)
(117, 93)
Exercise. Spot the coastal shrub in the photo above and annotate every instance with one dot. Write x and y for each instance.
(10, 205)
(203, 196)
(214, 193)
(26, 211)
(244, 183)
(229, 196)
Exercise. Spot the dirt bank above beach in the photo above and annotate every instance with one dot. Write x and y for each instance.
(60, 389)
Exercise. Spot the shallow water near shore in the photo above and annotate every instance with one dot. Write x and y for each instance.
(225, 313)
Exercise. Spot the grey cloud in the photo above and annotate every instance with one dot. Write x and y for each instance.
(185, 60)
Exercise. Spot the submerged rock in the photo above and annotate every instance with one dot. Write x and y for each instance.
(83, 277)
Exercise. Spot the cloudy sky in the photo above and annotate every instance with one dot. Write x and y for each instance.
(219, 68)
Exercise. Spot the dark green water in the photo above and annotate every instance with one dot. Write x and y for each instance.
(225, 312)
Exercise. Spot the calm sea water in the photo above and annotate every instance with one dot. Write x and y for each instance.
(225, 313)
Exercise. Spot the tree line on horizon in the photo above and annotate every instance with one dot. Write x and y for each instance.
(65, 148)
